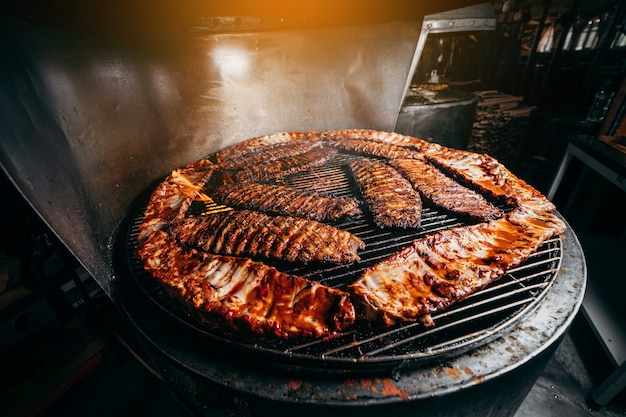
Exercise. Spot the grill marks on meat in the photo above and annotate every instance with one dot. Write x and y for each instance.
(244, 295)
(270, 153)
(491, 178)
(229, 292)
(282, 200)
(371, 148)
(251, 233)
(204, 261)
(391, 199)
(254, 145)
(445, 192)
(285, 166)
(390, 138)
(447, 266)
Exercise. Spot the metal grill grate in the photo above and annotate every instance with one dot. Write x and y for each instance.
(468, 324)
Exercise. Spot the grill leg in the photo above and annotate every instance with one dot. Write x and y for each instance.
(560, 172)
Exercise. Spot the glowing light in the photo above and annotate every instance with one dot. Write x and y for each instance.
(232, 62)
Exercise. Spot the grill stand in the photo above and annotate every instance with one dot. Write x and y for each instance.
(493, 379)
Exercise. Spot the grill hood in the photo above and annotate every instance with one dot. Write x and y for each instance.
(101, 100)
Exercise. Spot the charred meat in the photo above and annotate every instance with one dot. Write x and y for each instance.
(251, 146)
(251, 233)
(390, 197)
(371, 148)
(174, 195)
(285, 166)
(282, 200)
(444, 192)
(270, 153)
(490, 177)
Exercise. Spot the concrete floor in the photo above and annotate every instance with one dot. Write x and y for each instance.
(564, 387)
(121, 386)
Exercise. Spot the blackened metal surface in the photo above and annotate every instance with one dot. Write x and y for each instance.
(466, 325)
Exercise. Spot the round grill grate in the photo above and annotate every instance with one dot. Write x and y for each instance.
(466, 325)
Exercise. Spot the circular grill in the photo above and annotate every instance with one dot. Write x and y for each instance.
(468, 324)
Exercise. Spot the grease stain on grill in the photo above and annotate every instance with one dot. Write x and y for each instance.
(465, 326)
(390, 389)
(453, 373)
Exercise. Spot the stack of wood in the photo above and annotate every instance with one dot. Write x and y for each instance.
(500, 125)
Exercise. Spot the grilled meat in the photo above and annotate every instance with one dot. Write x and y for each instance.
(251, 233)
(193, 258)
(447, 266)
(254, 145)
(286, 166)
(389, 138)
(390, 197)
(246, 296)
(490, 177)
(372, 148)
(444, 192)
(282, 200)
(174, 195)
(270, 153)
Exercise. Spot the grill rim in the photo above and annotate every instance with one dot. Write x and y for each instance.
(536, 337)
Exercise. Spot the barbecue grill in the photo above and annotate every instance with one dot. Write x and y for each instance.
(477, 320)
(91, 123)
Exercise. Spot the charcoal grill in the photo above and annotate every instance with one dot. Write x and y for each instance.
(101, 103)
(471, 323)
(486, 377)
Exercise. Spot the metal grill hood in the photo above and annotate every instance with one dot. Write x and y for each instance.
(100, 101)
